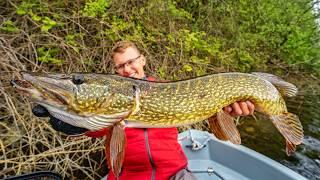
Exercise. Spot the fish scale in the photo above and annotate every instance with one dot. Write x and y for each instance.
(190, 101)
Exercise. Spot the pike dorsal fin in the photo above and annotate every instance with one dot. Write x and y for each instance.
(224, 127)
(285, 88)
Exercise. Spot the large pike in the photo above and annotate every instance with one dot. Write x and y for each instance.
(96, 101)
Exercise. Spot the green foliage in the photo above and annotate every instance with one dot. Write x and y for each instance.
(48, 55)
(118, 28)
(31, 6)
(94, 8)
(24, 8)
(161, 73)
(35, 17)
(177, 12)
(283, 30)
(187, 68)
(47, 24)
(191, 37)
(197, 47)
(8, 26)
(198, 42)
(36, 10)
(73, 40)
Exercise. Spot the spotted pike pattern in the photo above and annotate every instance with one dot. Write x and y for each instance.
(96, 101)
(190, 101)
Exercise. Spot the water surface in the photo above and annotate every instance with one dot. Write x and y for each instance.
(260, 134)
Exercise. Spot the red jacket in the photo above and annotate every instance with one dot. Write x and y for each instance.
(153, 152)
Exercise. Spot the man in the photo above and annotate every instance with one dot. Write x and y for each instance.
(152, 153)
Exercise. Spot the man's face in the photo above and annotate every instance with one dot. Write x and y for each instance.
(130, 63)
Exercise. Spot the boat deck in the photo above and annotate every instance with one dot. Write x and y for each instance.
(218, 160)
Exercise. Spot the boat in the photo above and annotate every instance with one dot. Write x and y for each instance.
(210, 158)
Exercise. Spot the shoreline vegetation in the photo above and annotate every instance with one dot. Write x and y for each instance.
(181, 39)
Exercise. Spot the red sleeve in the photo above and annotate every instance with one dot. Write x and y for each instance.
(99, 133)
(151, 78)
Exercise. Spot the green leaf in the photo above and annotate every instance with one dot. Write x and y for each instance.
(45, 28)
(21, 12)
(35, 17)
(187, 68)
(9, 26)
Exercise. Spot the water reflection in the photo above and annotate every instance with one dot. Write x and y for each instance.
(307, 159)
(263, 137)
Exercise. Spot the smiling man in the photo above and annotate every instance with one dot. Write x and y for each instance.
(125, 65)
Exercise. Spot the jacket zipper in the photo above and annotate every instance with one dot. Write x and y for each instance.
(149, 154)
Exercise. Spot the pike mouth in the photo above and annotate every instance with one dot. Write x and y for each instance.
(20, 83)
(40, 94)
(23, 86)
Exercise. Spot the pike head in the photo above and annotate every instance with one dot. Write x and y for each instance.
(91, 101)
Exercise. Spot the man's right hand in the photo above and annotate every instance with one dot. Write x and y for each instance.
(57, 124)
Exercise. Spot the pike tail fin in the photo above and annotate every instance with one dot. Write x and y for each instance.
(224, 128)
(290, 148)
(290, 127)
(285, 88)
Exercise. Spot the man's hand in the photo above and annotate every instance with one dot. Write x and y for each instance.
(241, 108)
(57, 124)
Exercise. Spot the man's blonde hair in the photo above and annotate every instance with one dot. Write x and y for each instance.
(121, 46)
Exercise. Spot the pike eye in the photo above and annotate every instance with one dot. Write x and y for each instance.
(78, 79)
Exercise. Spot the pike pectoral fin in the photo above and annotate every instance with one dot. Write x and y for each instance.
(107, 144)
(290, 127)
(216, 129)
(224, 128)
(117, 148)
(136, 107)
